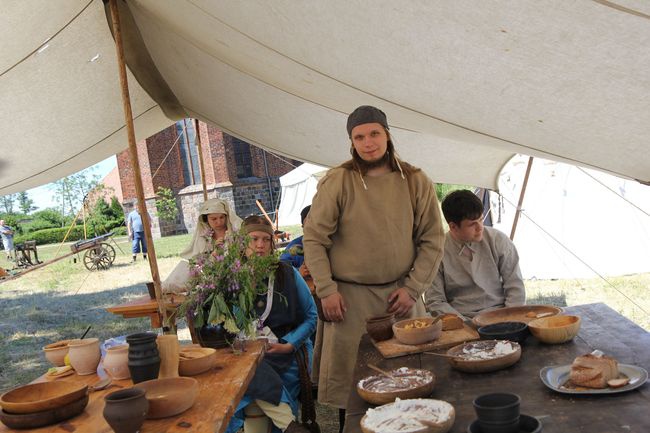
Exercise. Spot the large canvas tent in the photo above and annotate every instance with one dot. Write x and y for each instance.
(298, 189)
(465, 84)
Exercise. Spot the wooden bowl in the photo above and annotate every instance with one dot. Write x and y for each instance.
(524, 313)
(495, 361)
(380, 328)
(46, 417)
(415, 336)
(513, 331)
(420, 415)
(38, 397)
(555, 329)
(56, 352)
(196, 360)
(169, 396)
(411, 383)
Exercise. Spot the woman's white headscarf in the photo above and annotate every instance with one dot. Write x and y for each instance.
(200, 242)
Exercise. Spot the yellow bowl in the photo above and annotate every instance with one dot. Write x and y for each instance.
(555, 329)
(413, 336)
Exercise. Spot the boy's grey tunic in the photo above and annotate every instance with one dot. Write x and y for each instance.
(492, 278)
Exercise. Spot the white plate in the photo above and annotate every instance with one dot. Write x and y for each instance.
(556, 376)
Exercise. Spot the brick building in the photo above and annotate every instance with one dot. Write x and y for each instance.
(234, 170)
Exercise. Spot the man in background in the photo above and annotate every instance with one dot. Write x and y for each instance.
(480, 266)
(7, 235)
(135, 230)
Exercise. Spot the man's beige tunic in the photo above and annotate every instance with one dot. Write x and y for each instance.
(366, 243)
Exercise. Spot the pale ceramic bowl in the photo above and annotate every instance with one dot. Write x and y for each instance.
(56, 352)
(169, 396)
(202, 360)
(555, 329)
(416, 336)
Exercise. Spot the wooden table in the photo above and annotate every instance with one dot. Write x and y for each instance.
(146, 307)
(220, 390)
(602, 328)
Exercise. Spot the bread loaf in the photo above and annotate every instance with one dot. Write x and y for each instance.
(593, 371)
(451, 322)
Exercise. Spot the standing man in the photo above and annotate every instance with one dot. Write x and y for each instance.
(136, 233)
(7, 235)
(373, 242)
(480, 267)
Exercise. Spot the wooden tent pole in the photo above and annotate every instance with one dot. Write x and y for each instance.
(521, 198)
(135, 164)
(201, 163)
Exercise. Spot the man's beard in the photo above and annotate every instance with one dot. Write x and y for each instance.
(369, 165)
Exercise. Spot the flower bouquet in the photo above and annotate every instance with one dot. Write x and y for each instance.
(224, 284)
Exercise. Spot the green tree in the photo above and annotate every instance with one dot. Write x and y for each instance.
(7, 202)
(166, 208)
(25, 203)
(71, 191)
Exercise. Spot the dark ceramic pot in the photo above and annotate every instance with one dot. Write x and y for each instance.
(380, 328)
(214, 336)
(512, 331)
(126, 410)
(144, 360)
(498, 408)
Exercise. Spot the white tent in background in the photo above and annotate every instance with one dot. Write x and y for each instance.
(298, 189)
(595, 224)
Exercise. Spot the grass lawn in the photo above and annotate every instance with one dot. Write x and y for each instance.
(60, 300)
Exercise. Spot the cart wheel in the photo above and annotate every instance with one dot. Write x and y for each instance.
(99, 257)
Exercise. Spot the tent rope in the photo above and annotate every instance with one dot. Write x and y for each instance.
(167, 155)
(602, 277)
(612, 191)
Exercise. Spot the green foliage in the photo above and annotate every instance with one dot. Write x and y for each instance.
(104, 218)
(45, 219)
(120, 231)
(7, 202)
(50, 236)
(442, 189)
(225, 283)
(12, 220)
(166, 208)
(71, 191)
(25, 203)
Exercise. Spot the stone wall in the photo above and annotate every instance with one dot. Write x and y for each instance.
(246, 191)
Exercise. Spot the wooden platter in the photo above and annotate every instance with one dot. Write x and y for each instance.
(393, 348)
(524, 313)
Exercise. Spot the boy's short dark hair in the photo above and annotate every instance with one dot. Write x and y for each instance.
(304, 213)
(460, 205)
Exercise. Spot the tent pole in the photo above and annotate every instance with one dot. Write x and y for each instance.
(135, 163)
(521, 198)
(201, 163)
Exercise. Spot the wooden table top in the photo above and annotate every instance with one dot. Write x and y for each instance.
(144, 305)
(602, 328)
(220, 390)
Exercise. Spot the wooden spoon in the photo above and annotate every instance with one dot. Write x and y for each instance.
(101, 384)
(444, 355)
(384, 372)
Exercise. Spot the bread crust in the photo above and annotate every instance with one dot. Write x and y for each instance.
(593, 371)
(451, 322)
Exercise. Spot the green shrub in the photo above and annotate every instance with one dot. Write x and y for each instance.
(51, 236)
(119, 231)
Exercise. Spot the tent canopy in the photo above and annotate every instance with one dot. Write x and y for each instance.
(298, 189)
(465, 84)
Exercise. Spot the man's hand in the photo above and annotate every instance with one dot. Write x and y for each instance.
(333, 307)
(400, 302)
(279, 348)
(130, 236)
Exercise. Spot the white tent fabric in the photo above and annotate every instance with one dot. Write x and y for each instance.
(576, 223)
(298, 189)
(465, 84)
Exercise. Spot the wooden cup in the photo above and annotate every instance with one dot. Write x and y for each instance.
(169, 349)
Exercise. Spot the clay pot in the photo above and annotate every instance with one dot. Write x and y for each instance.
(144, 360)
(126, 410)
(84, 355)
(56, 352)
(380, 328)
(116, 362)
(168, 349)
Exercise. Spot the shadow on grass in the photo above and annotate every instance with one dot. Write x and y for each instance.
(30, 321)
(557, 299)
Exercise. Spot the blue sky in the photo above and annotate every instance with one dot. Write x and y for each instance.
(43, 195)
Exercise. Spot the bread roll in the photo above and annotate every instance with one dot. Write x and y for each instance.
(593, 371)
(451, 322)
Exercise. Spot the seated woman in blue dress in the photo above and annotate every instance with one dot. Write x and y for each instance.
(271, 400)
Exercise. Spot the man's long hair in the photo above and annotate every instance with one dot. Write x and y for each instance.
(390, 157)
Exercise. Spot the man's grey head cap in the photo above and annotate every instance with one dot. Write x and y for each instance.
(366, 114)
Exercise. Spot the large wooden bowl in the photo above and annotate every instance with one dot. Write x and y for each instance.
(38, 397)
(555, 329)
(380, 389)
(46, 417)
(524, 313)
(169, 396)
(497, 362)
(56, 352)
(196, 360)
(420, 415)
(414, 336)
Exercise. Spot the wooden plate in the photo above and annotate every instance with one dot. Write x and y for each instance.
(39, 419)
(524, 313)
(38, 397)
(483, 365)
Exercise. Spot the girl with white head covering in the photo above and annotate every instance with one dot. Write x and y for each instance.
(215, 219)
